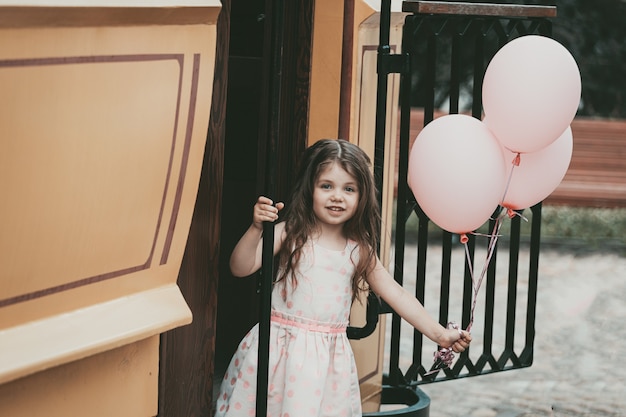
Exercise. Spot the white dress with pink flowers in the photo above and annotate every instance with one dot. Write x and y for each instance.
(311, 364)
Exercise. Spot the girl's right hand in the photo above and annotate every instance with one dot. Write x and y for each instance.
(265, 211)
(457, 340)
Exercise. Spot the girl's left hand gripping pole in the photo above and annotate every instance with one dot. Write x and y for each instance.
(267, 269)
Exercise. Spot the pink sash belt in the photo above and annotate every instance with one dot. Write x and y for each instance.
(312, 327)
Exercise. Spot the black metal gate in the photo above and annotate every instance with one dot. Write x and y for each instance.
(446, 49)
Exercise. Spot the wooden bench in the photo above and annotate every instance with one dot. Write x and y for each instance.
(596, 176)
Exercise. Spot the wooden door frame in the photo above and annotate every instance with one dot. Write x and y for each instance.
(187, 354)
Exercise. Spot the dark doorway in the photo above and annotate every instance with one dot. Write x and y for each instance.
(247, 120)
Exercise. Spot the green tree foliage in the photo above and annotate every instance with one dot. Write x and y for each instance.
(593, 32)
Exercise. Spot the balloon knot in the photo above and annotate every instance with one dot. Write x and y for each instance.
(463, 238)
(511, 213)
(517, 159)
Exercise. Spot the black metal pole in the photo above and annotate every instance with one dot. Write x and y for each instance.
(267, 270)
(381, 97)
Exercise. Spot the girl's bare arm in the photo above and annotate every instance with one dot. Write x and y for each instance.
(410, 309)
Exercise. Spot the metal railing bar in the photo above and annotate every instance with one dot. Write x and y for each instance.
(532, 281)
(446, 268)
(402, 214)
(455, 73)
(490, 295)
(479, 73)
(430, 76)
(512, 284)
(381, 98)
(267, 271)
(486, 359)
(468, 281)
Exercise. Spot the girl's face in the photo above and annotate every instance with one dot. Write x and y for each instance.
(335, 195)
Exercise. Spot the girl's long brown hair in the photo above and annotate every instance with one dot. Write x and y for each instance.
(300, 221)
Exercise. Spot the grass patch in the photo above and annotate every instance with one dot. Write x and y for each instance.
(594, 229)
(584, 223)
(562, 227)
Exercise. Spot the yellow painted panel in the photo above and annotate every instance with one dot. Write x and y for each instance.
(85, 181)
(42, 344)
(102, 145)
(104, 115)
(325, 70)
(122, 382)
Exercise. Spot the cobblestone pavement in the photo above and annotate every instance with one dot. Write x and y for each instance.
(579, 364)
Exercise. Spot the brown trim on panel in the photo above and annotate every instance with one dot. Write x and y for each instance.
(71, 285)
(345, 92)
(88, 59)
(171, 161)
(103, 59)
(41, 16)
(185, 159)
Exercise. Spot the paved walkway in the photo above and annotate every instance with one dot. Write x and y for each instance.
(580, 349)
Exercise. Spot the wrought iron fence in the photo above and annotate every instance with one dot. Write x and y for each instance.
(446, 48)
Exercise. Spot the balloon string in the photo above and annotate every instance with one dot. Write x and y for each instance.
(514, 163)
(476, 284)
(444, 357)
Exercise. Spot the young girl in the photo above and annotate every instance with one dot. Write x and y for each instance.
(327, 254)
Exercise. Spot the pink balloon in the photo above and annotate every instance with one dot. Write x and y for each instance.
(538, 173)
(531, 92)
(457, 172)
